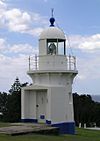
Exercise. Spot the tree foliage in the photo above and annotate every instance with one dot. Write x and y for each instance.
(86, 110)
(11, 103)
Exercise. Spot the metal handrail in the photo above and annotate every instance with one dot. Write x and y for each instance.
(34, 62)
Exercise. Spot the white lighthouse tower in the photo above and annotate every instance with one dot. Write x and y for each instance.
(49, 99)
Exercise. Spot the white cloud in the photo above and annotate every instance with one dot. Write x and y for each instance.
(36, 17)
(86, 43)
(88, 60)
(81, 77)
(15, 64)
(10, 67)
(23, 49)
(3, 45)
(35, 32)
(2, 4)
(6, 48)
(16, 20)
(89, 68)
(3, 7)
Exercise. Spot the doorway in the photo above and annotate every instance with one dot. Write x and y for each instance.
(41, 101)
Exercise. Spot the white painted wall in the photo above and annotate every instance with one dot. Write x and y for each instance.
(42, 47)
(61, 108)
(48, 78)
(52, 62)
(28, 104)
(58, 104)
(32, 104)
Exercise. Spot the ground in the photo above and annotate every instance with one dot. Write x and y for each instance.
(81, 135)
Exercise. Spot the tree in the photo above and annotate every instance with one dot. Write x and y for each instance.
(86, 110)
(16, 87)
(3, 104)
(13, 106)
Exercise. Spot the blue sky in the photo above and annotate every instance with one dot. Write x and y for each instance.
(21, 22)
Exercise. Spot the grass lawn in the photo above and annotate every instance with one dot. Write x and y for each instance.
(3, 124)
(81, 135)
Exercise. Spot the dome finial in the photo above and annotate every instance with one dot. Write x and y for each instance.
(52, 10)
(52, 19)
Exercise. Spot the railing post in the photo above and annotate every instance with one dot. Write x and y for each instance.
(35, 61)
(74, 62)
(69, 62)
(29, 63)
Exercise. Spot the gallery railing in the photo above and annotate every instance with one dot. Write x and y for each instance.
(34, 62)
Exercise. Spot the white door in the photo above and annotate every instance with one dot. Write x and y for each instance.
(41, 100)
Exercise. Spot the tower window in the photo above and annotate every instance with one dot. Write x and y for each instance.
(61, 48)
(56, 47)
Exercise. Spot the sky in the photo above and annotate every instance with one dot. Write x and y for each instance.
(21, 22)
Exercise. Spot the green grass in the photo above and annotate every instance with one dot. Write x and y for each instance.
(81, 135)
(3, 124)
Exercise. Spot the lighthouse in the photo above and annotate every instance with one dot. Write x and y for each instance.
(49, 99)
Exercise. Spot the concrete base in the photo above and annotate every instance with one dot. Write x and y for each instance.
(66, 127)
(19, 129)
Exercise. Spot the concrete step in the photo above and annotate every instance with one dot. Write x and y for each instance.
(27, 129)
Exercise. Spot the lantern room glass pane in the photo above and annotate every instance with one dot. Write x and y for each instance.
(61, 48)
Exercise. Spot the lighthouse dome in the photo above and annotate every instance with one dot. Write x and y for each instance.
(52, 32)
